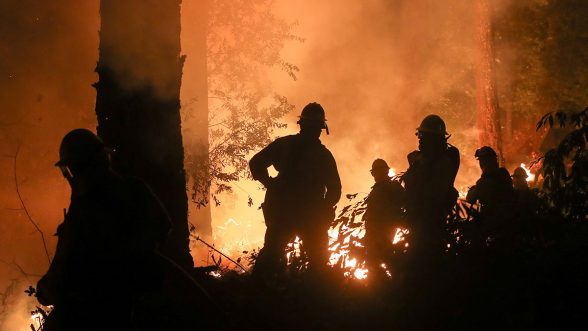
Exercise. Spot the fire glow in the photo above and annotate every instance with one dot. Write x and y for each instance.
(530, 175)
(341, 256)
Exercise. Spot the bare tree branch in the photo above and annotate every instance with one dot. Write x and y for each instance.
(24, 206)
(19, 268)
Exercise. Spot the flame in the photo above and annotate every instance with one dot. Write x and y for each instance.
(352, 267)
(463, 192)
(295, 246)
(37, 320)
(357, 270)
(360, 273)
(392, 172)
(530, 175)
(233, 237)
(399, 235)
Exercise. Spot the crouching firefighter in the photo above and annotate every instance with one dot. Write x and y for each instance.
(300, 200)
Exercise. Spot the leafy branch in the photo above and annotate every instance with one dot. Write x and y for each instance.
(564, 118)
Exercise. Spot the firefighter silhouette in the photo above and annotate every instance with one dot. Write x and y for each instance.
(105, 243)
(429, 180)
(382, 217)
(300, 200)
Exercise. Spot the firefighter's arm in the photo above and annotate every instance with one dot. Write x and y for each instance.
(398, 202)
(261, 161)
(50, 286)
(444, 170)
(413, 157)
(333, 182)
(472, 195)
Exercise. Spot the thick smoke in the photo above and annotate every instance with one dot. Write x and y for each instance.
(378, 67)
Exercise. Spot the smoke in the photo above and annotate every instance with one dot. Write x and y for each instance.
(378, 67)
(48, 53)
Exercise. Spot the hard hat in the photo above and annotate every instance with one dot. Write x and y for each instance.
(379, 164)
(485, 152)
(79, 146)
(520, 173)
(314, 112)
(433, 124)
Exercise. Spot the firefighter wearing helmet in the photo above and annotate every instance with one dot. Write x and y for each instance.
(429, 180)
(519, 179)
(382, 216)
(494, 188)
(111, 228)
(300, 200)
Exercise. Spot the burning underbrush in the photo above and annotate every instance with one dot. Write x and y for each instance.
(346, 248)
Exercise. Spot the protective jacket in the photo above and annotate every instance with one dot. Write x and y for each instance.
(307, 183)
(430, 194)
(104, 253)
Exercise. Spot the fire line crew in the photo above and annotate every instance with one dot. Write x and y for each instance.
(300, 200)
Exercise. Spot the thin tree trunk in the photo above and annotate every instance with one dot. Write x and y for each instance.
(486, 100)
(138, 105)
(196, 141)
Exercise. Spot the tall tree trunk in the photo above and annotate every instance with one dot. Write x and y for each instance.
(138, 105)
(486, 100)
(195, 96)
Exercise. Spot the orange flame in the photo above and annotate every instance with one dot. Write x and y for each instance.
(530, 175)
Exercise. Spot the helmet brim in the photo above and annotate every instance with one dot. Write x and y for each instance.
(318, 121)
(65, 162)
(422, 130)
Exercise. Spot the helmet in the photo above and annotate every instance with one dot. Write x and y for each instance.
(380, 164)
(314, 112)
(79, 146)
(433, 124)
(485, 152)
(520, 173)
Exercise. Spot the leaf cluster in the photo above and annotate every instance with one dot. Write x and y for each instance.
(244, 41)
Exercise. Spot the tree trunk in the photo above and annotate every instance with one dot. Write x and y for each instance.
(195, 96)
(486, 101)
(138, 105)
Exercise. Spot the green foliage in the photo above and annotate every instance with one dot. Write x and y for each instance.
(564, 118)
(244, 41)
(564, 168)
(541, 61)
(520, 35)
